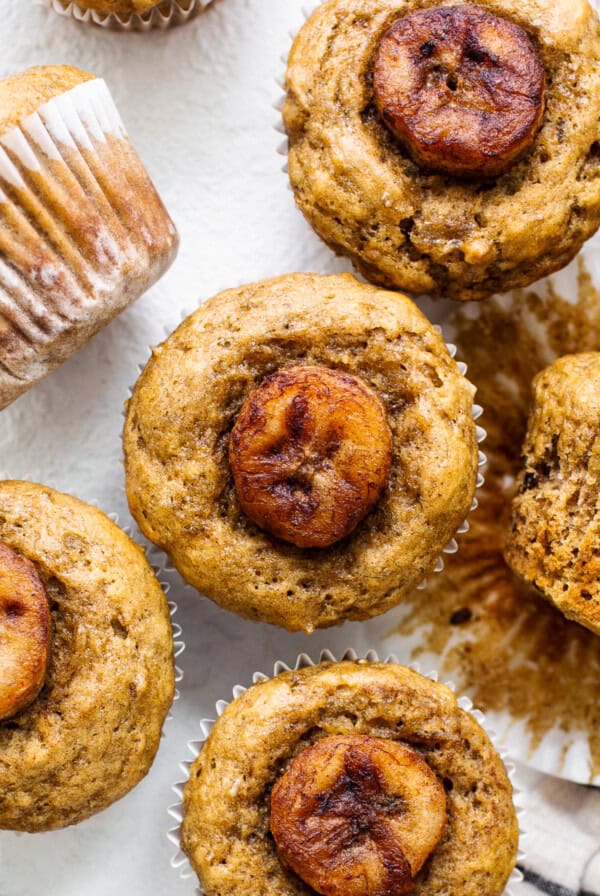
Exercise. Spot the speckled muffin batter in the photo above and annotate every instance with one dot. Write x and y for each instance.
(554, 540)
(177, 438)
(272, 726)
(92, 733)
(405, 227)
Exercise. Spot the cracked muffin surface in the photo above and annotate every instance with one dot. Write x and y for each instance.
(377, 712)
(554, 540)
(177, 441)
(406, 227)
(92, 732)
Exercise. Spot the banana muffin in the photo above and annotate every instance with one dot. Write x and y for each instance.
(554, 539)
(83, 233)
(448, 148)
(348, 779)
(303, 448)
(86, 660)
(130, 15)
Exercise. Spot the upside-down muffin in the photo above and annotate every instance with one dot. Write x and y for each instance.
(554, 539)
(349, 779)
(83, 232)
(303, 448)
(448, 148)
(86, 660)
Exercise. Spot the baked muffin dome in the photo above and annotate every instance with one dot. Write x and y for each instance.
(92, 732)
(83, 232)
(554, 539)
(195, 391)
(404, 226)
(362, 718)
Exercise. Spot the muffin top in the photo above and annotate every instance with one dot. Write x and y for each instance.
(303, 448)
(21, 95)
(430, 141)
(349, 778)
(554, 538)
(100, 676)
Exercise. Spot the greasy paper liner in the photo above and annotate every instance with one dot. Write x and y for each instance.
(168, 14)
(160, 567)
(534, 673)
(83, 232)
(180, 861)
(453, 545)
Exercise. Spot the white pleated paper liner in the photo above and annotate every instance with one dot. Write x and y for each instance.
(157, 560)
(180, 861)
(453, 545)
(168, 14)
(83, 232)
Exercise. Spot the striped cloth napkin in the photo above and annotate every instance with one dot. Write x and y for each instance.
(562, 843)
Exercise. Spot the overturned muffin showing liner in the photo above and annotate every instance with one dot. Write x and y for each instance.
(92, 733)
(200, 847)
(406, 227)
(129, 15)
(83, 231)
(246, 335)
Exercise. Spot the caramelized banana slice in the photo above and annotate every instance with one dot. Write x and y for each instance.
(24, 633)
(311, 454)
(358, 816)
(460, 88)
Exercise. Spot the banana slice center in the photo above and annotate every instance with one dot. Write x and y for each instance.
(310, 454)
(356, 816)
(24, 632)
(461, 89)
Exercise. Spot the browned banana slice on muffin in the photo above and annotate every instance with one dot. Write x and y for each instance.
(86, 660)
(304, 449)
(447, 148)
(24, 632)
(461, 88)
(349, 779)
(554, 539)
(355, 815)
(311, 453)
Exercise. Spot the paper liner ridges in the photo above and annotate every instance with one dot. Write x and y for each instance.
(83, 232)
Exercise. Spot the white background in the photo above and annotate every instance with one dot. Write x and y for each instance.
(197, 102)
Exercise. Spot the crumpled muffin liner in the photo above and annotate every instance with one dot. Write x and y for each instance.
(533, 672)
(180, 861)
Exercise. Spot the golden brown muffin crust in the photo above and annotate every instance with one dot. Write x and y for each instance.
(92, 733)
(225, 829)
(183, 408)
(554, 540)
(408, 229)
(21, 95)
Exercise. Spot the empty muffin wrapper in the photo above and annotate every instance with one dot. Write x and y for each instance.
(180, 861)
(166, 15)
(83, 232)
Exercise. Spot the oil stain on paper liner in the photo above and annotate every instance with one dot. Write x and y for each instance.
(499, 639)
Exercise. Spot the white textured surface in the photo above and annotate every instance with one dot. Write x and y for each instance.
(197, 104)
